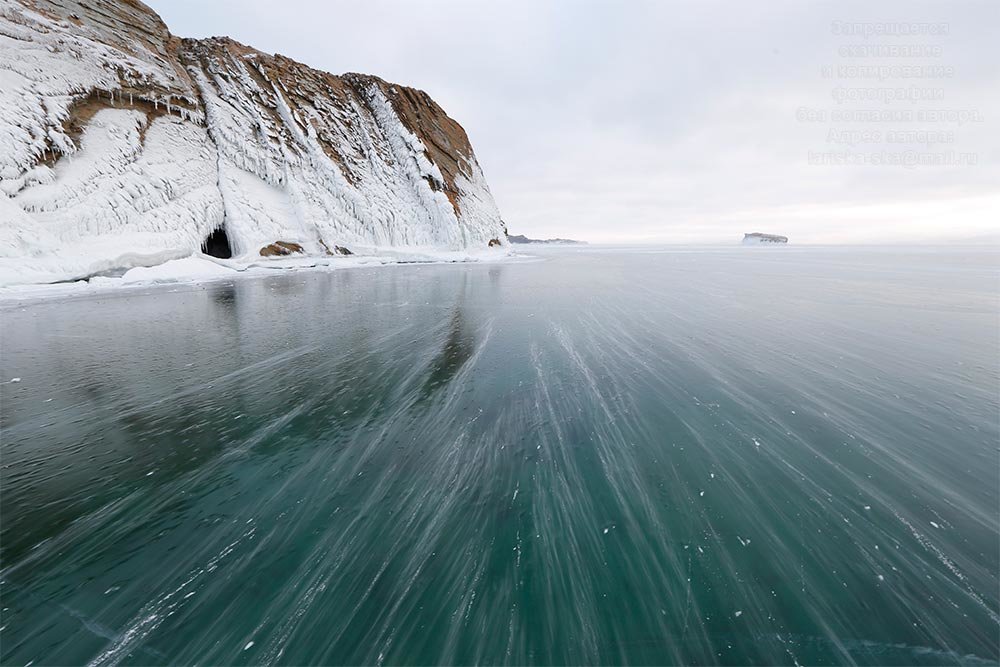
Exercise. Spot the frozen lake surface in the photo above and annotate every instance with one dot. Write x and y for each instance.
(737, 456)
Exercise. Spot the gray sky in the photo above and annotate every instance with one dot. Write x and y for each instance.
(674, 121)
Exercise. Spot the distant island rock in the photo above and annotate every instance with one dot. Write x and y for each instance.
(521, 239)
(756, 238)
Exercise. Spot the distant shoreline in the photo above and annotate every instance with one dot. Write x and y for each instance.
(521, 239)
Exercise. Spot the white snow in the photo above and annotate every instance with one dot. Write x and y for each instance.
(189, 268)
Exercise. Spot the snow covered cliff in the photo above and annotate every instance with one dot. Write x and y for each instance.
(122, 145)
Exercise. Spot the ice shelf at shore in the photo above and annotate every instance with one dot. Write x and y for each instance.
(200, 269)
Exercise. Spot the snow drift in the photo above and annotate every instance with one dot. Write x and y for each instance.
(123, 146)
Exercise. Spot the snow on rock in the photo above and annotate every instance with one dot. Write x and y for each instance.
(122, 146)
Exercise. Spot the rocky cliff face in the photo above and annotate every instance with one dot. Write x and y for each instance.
(122, 145)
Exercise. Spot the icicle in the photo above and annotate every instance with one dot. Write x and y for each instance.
(130, 99)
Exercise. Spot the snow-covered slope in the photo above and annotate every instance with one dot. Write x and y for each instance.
(123, 146)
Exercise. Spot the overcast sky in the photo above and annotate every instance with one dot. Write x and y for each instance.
(657, 121)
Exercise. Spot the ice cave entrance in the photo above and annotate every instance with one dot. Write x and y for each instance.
(217, 244)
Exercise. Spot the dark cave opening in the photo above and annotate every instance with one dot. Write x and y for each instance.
(217, 244)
